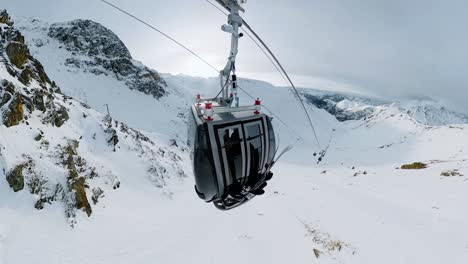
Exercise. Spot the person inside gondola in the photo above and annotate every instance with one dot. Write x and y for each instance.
(232, 142)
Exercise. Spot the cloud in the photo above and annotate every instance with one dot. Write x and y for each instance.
(390, 48)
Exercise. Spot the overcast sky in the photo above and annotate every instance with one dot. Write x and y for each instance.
(396, 48)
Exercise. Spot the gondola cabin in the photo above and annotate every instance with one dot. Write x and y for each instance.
(233, 147)
(233, 151)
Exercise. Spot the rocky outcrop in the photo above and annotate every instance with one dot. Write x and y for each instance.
(15, 178)
(5, 18)
(89, 38)
(14, 113)
(17, 53)
(98, 50)
(21, 63)
(76, 183)
(11, 104)
(18, 103)
(58, 116)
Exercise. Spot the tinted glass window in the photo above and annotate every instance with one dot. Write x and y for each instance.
(232, 146)
(254, 143)
(253, 131)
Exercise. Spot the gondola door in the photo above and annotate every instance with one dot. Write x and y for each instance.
(233, 155)
(257, 147)
(240, 153)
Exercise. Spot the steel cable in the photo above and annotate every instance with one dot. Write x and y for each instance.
(216, 70)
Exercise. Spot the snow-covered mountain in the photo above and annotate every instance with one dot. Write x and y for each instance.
(61, 152)
(355, 107)
(98, 50)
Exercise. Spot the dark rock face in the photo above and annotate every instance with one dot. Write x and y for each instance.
(22, 64)
(76, 183)
(5, 18)
(107, 55)
(15, 112)
(15, 178)
(19, 102)
(90, 38)
(17, 53)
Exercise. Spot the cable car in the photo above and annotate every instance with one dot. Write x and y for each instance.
(233, 147)
(233, 152)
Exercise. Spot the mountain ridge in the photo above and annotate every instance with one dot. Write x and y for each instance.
(347, 107)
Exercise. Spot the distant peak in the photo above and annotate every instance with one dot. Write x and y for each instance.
(96, 49)
(89, 38)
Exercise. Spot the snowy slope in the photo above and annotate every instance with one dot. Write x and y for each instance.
(353, 207)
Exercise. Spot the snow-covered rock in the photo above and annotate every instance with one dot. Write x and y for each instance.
(96, 49)
(49, 142)
(343, 107)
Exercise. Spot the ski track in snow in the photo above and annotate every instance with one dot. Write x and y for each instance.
(379, 214)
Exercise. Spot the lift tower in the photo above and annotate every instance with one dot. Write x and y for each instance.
(232, 27)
